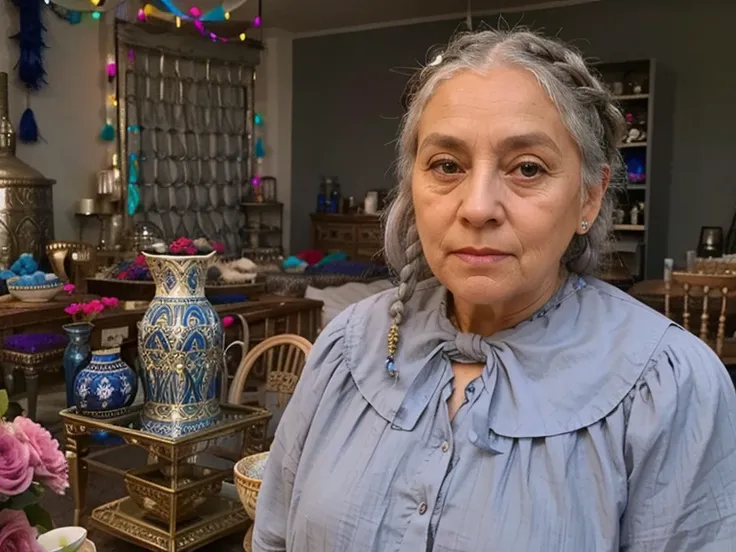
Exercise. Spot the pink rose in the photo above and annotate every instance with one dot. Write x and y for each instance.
(69, 288)
(110, 302)
(46, 459)
(16, 472)
(73, 309)
(227, 321)
(16, 534)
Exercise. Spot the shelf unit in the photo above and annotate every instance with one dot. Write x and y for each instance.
(641, 240)
(263, 231)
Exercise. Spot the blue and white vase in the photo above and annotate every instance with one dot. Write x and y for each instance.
(180, 345)
(106, 387)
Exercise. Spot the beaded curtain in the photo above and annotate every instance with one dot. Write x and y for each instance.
(187, 122)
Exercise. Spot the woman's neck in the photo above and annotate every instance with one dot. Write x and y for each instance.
(487, 320)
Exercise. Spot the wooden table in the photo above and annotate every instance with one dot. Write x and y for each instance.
(269, 315)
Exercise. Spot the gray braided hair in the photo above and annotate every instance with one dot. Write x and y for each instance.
(586, 107)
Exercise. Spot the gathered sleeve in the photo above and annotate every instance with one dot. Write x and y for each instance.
(680, 451)
(275, 497)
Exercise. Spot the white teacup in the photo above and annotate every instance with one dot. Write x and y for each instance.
(63, 539)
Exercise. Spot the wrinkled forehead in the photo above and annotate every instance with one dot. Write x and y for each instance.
(490, 107)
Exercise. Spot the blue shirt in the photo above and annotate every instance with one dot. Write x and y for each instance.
(596, 426)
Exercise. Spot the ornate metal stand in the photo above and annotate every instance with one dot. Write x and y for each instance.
(173, 504)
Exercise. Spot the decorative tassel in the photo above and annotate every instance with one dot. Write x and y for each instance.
(134, 195)
(30, 43)
(134, 199)
(108, 133)
(393, 343)
(28, 129)
(133, 169)
(260, 149)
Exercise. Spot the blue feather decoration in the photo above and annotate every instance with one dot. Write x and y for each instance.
(30, 66)
(28, 129)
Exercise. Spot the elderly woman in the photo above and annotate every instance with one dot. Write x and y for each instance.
(519, 403)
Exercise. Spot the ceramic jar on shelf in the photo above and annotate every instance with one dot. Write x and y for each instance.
(106, 387)
(180, 345)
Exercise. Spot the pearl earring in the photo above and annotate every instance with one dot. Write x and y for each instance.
(585, 225)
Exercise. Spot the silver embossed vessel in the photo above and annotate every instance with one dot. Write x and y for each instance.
(26, 200)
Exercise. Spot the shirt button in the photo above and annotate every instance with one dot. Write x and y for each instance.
(470, 388)
(445, 446)
(422, 508)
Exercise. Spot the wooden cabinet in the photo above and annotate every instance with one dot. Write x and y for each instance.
(359, 236)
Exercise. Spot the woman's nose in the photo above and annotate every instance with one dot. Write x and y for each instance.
(482, 200)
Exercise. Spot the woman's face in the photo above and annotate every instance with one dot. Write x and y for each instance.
(496, 188)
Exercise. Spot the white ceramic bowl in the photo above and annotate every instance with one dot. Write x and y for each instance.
(34, 294)
(63, 539)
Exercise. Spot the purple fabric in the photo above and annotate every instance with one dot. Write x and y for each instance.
(35, 343)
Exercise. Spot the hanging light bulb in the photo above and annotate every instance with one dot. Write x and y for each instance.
(242, 36)
(178, 22)
(227, 16)
(96, 15)
(95, 3)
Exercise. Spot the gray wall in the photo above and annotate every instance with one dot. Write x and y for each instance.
(346, 100)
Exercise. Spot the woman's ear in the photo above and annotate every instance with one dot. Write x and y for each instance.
(592, 205)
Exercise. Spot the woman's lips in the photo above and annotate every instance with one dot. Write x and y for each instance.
(480, 256)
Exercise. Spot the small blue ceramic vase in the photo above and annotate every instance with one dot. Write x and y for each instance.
(106, 387)
(76, 355)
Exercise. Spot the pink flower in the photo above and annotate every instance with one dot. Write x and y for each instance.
(16, 472)
(110, 302)
(218, 247)
(69, 288)
(227, 321)
(183, 246)
(140, 260)
(123, 275)
(73, 309)
(46, 459)
(16, 534)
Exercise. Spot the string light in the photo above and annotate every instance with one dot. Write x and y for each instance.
(197, 17)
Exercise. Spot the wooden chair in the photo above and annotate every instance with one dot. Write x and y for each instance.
(283, 356)
(704, 288)
(243, 344)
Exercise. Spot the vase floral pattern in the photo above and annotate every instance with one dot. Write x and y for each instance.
(106, 387)
(180, 344)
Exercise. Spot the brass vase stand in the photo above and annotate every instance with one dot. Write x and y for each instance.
(173, 504)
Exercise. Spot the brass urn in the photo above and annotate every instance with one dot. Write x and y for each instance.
(26, 197)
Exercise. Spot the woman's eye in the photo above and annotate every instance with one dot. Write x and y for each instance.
(447, 167)
(529, 170)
